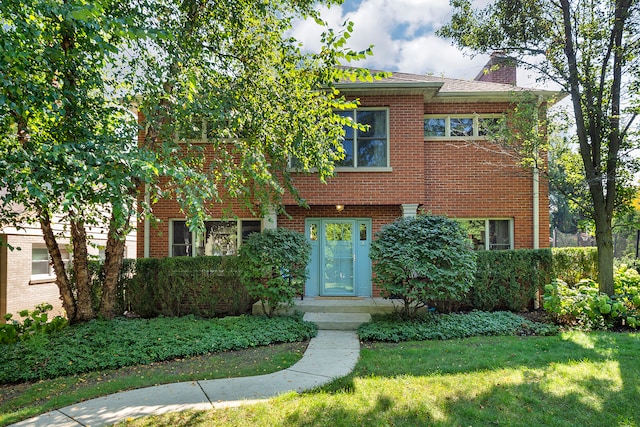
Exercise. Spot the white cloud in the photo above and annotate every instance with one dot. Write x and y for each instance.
(402, 33)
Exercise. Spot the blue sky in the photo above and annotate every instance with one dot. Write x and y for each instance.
(402, 32)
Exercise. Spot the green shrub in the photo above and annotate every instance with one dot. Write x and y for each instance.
(34, 323)
(574, 264)
(203, 286)
(274, 267)
(583, 306)
(508, 279)
(450, 326)
(423, 260)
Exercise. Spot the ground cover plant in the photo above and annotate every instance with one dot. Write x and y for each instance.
(562, 380)
(432, 326)
(104, 344)
(25, 400)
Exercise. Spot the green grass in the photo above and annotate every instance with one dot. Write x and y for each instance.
(566, 380)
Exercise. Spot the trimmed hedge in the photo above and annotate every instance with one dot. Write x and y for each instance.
(203, 286)
(508, 280)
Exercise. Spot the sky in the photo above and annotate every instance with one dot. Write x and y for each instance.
(403, 35)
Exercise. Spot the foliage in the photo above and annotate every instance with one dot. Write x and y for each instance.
(450, 326)
(34, 322)
(273, 267)
(582, 305)
(590, 50)
(222, 78)
(574, 264)
(111, 344)
(202, 286)
(422, 260)
(509, 279)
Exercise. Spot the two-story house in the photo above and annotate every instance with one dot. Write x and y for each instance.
(425, 149)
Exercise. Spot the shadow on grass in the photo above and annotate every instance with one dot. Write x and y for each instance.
(554, 383)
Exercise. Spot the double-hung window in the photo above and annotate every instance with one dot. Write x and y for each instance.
(219, 237)
(490, 234)
(366, 148)
(461, 126)
(41, 266)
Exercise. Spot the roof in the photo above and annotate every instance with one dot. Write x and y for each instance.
(441, 89)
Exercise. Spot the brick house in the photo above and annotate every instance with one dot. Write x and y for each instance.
(424, 150)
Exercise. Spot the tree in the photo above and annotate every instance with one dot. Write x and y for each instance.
(590, 49)
(69, 72)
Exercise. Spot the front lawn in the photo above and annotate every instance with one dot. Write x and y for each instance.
(575, 378)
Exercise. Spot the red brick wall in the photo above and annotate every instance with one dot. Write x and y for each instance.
(404, 185)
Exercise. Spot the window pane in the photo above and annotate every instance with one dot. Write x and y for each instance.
(181, 244)
(39, 254)
(249, 227)
(221, 238)
(476, 233)
(372, 152)
(434, 127)
(363, 232)
(39, 261)
(461, 126)
(488, 125)
(313, 232)
(347, 145)
(499, 234)
(348, 130)
(376, 122)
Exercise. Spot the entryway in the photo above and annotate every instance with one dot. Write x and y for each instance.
(340, 264)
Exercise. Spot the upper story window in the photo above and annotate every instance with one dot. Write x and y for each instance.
(460, 126)
(219, 238)
(366, 148)
(490, 234)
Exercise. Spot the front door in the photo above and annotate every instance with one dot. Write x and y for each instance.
(340, 264)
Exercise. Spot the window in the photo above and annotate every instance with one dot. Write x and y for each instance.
(41, 262)
(366, 148)
(219, 238)
(460, 126)
(489, 234)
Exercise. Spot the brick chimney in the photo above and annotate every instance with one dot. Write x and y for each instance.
(499, 69)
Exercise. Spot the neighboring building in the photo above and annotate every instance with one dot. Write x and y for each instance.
(26, 274)
(425, 150)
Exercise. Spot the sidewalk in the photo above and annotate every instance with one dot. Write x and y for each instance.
(332, 354)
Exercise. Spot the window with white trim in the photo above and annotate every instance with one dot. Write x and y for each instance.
(219, 238)
(41, 265)
(489, 234)
(366, 148)
(460, 126)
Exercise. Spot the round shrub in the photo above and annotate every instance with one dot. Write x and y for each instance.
(273, 267)
(423, 260)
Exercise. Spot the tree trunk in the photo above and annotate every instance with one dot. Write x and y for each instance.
(114, 254)
(62, 280)
(81, 269)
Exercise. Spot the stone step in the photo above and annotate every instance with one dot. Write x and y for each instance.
(344, 305)
(337, 321)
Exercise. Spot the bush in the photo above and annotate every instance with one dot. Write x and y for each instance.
(423, 260)
(274, 267)
(34, 323)
(583, 306)
(509, 279)
(203, 286)
(574, 264)
(450, 326)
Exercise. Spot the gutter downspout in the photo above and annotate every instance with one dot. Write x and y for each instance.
(146, 222)
(536, 203)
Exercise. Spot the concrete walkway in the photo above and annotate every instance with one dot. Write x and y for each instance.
(332, 354)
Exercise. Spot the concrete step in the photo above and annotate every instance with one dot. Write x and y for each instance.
(337, 321)
(335, 305)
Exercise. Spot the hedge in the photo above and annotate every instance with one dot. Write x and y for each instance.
(574, 264)
(203, 286)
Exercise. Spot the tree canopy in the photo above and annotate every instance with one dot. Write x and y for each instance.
(205, 75)
(590, 49)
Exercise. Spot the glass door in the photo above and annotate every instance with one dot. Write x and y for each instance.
(338, 257)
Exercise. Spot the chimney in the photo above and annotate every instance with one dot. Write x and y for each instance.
(499, 69)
